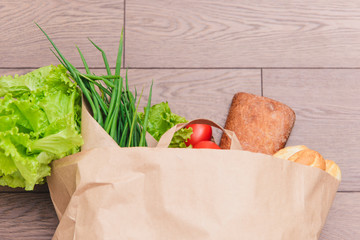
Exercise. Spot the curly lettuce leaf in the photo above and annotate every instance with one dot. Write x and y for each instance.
(39, 122)
(161, 119)
(24, 84)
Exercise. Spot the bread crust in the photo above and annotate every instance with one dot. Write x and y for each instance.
(287, 152)
(262, 124)
(309, 157)
(303, 155)
(333, 169)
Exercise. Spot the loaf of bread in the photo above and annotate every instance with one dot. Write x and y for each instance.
(303, 155)
(333, 169)
(309, 157)
(262, 125)
(287, 152)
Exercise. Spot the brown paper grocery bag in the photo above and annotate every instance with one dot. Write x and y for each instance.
(62, 182)
(108, 192)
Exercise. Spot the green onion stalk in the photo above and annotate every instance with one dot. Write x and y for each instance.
(113, 105)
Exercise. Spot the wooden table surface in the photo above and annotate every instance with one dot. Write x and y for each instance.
(303, 53)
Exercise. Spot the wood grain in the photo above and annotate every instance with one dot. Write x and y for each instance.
(26, 216)
(327, 106)
(229, 33)
(343, 219)
(67, 22)
(38, 189)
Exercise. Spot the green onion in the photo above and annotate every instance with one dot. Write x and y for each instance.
(104, 57)
(113, 105)
(142, 141)
(133, 122)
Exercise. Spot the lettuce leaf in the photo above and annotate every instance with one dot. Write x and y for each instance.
(162, 119)
(39, 122)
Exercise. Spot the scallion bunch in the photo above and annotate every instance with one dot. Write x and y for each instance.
(113, 105)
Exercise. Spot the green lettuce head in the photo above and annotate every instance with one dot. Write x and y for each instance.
(39, 122)
(162, 119)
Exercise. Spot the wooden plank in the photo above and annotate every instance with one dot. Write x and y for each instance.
(343, 219)
(67, 22)
(327, 106)
(197, 93)
(31, 216)
(14, 71)
(26, 216)
(229, 33)
(38, 188)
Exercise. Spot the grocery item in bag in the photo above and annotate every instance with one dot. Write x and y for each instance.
(303, 155)
(262, 124)
(165, 193)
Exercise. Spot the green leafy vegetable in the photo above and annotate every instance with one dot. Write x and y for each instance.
(162, 119)
(115, 108)
(39, 122)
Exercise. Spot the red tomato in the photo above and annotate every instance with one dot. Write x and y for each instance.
(201, 132)
(207, 144)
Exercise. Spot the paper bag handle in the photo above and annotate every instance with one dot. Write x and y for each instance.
(165, 139)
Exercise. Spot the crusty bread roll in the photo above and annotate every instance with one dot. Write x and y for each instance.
(304, 155)
(333, 169)
(287, 152)
(309, 157)
(261, 124)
